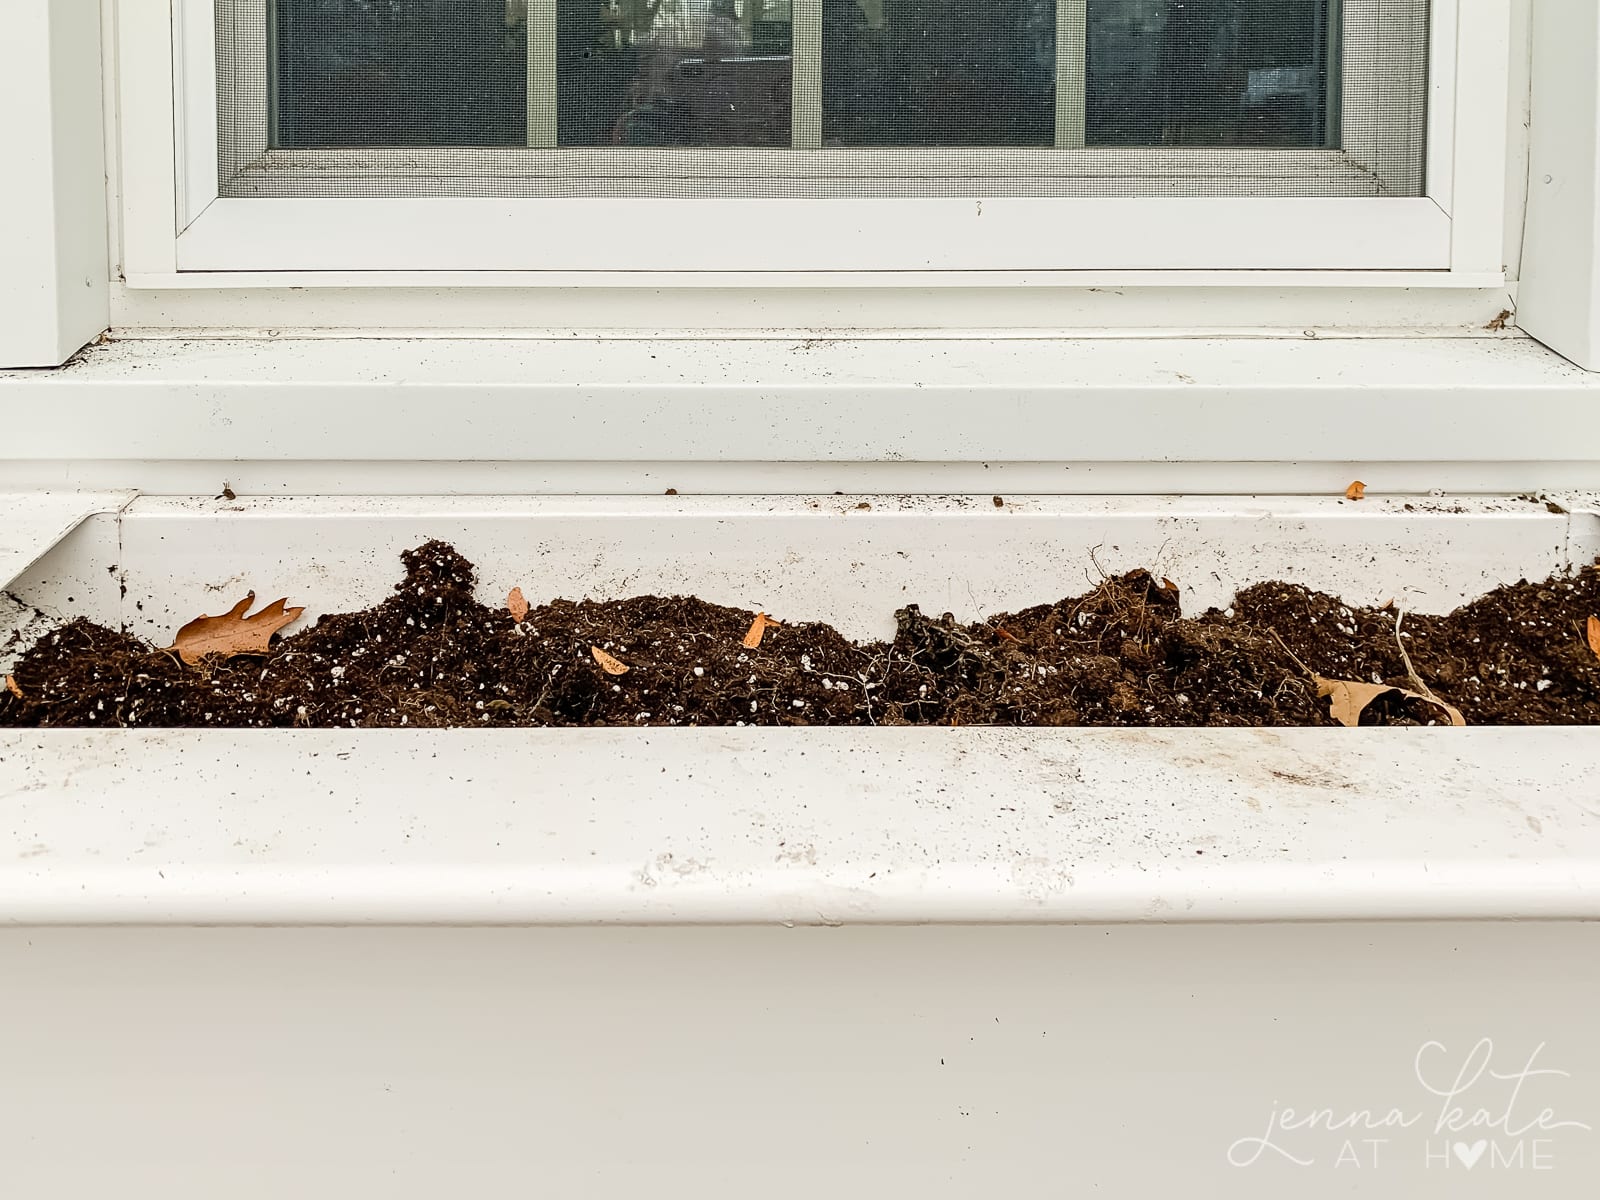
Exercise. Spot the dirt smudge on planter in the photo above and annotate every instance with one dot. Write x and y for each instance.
(1122, 654)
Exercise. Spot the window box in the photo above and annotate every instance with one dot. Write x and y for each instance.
(988, 824)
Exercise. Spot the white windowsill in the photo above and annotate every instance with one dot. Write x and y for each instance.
(870, 400)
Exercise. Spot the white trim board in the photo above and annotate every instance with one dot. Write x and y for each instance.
(1560, 297)
(278, 478)
(1169, 304)
(796, 826)
(53, 287)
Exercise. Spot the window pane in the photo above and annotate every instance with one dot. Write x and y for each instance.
(841, 97)
(938, 72)
(673, 72)
(398, 73)
(1209, 73)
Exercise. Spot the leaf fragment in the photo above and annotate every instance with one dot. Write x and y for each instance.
(1356, 491)
(14, 687)
(758, 629)
(608, 664)
(1594, 635)
(233, 633)
(516, 605)
(1347, 698)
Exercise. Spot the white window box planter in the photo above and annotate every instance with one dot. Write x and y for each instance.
(798, 827)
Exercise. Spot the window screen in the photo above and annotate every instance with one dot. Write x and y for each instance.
(377, 73)
(673, 73)
(926, 73)
(822, 97)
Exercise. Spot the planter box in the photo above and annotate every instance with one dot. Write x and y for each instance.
(996, 825)
(1102, 957)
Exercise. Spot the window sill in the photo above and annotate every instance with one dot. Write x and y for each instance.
(721, 415)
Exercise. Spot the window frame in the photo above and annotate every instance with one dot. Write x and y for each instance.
(54, 297)
(178, 231)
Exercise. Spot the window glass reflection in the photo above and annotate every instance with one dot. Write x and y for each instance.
(1208, 73)
(938, 72)
(673, 73)
(398, 73)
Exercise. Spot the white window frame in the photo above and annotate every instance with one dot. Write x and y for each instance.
(53, 286)
(178, 232)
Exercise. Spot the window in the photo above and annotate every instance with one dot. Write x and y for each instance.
(1011, 136)
(868, 97)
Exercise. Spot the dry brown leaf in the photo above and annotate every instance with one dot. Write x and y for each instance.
(1347, 698)
(611, 666)
(1594, 635)
(13, 686)
(516, 605)
(1356, 491)
(758, 629)
(1167, 585)
(233, 632)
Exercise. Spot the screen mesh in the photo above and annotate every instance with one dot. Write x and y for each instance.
(924, 73)
(822, 97)
(1217, 73)
(381, 73)
(673, 73)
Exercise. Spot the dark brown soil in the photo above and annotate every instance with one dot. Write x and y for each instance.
(1123, 654)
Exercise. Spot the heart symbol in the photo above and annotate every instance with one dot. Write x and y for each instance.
(1469, 1155)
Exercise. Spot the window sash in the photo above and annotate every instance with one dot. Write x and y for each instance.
(871, 235)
